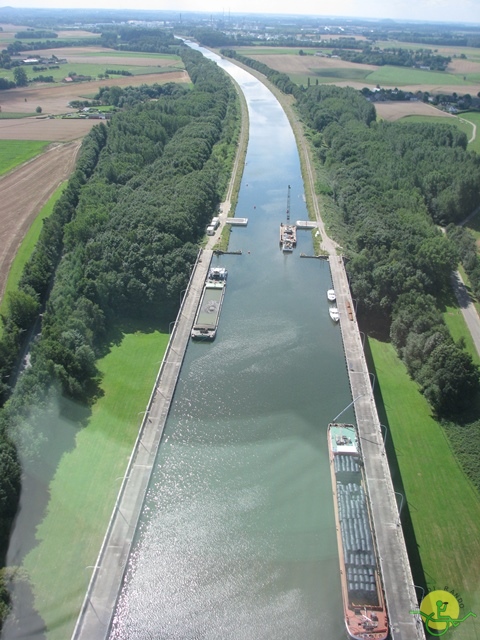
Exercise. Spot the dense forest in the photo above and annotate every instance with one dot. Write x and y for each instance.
(119, 245)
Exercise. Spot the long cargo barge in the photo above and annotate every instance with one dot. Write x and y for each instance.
(210, 306)
(362, 592)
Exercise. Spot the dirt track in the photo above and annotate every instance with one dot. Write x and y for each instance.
(24, 191)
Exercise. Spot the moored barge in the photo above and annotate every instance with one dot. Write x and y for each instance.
(210, 306)
(288, 237)
(362, 592)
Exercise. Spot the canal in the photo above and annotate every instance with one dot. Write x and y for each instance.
(237, 538)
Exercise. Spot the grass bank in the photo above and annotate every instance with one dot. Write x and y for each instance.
(443, 505)
(87, 480)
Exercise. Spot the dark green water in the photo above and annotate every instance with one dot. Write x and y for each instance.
(237, 536)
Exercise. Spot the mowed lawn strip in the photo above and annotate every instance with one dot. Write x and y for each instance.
(444, 507)
(16, 152)
(87, 480)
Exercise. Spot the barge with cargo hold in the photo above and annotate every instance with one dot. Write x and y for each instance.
(210, 306)
(362, 592)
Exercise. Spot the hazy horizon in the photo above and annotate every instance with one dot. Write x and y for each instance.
(462, 11)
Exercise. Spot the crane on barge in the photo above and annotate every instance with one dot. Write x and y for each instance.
(288, 232)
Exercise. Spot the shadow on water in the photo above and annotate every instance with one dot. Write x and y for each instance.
(47, 435)
(25, 621)
(406, 506)
(43, 439)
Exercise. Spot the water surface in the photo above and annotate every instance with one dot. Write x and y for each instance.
(237, 535)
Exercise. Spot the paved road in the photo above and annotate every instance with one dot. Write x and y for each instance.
(467, 308)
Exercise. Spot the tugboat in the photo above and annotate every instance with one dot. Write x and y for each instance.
(288, 232)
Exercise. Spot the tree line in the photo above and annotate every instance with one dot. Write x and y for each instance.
(119, 245)
(392, 185)
(396, 56)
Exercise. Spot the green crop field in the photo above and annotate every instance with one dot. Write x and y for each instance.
(466, 122)
(453, 51)
(87, 480)
(16, 152)
(15, 116)
(93, 70)
(443, 505)
(466, 127)
(401, 76)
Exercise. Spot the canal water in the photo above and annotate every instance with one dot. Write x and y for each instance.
(237, 536)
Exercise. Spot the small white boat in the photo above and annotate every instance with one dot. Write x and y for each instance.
(331, 295)
(334, 314)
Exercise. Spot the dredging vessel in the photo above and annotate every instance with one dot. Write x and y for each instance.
(288, 237)
(288, 232)
(362, 593)
(208, 312)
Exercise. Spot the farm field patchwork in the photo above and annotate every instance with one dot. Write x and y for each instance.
(54, 98)
(459, 77)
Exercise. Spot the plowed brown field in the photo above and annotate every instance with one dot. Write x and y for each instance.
(24, 192)
(396, 110)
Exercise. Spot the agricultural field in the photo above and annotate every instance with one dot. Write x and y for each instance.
(462, 76)
(7, 35)
(19, 207)
(94, 61)
(395, 110)
(53, 98)
(15, 153)
(44, 174)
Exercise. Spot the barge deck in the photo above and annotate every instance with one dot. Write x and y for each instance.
(362, 591)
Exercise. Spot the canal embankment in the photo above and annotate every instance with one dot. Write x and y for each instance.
(98, 607)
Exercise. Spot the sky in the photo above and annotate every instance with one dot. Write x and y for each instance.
(425, 10)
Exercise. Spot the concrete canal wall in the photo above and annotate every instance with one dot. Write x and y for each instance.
(107, 574)
(397, 578)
